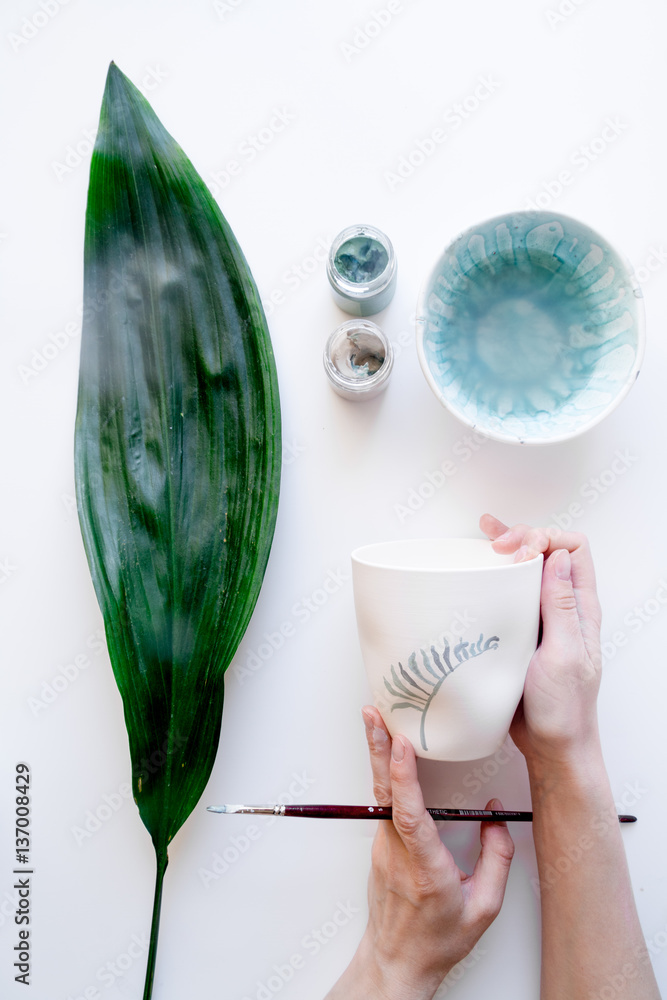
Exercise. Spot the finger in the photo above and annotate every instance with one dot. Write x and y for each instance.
(549, 540)
(489, 878)
(527, 542)
(414, 825)
(533, 542)
(504, 539)
(491, 526)
(379, 746)
(582, 571)
(562, 638)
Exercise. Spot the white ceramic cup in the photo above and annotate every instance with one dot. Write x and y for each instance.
(447, 628)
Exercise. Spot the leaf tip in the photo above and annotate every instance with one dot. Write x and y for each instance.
(115, 75)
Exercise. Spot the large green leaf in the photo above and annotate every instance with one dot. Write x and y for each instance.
(177, 450)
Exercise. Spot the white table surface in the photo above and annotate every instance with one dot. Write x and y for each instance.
(548, 85)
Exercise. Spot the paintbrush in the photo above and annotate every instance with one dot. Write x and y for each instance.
(384, 812)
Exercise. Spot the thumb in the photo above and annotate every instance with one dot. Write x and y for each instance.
(561, 625)
(412, 823)
(490, 874)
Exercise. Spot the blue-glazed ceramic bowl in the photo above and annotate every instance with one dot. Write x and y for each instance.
(530, 328)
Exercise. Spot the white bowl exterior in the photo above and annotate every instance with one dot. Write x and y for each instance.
(401, 611)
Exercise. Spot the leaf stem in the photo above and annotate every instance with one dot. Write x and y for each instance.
(162, 862)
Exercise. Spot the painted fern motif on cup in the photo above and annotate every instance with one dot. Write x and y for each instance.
(415, 686)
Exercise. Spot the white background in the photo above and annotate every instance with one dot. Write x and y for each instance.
(357, 101)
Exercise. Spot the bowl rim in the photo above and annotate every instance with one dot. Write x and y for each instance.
(507, 438)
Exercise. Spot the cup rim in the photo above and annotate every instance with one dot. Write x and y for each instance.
(357, 557)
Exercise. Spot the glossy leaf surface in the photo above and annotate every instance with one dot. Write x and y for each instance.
(177, 447)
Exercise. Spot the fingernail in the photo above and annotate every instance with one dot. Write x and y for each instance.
(376, 736)
(379, 737)
(505, 535)
(398, 749)
(521, 554)
(496, 804)
(563, 565)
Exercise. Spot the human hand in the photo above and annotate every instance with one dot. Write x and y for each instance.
(557, 717)
(425, 914)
